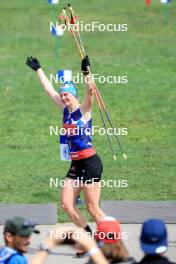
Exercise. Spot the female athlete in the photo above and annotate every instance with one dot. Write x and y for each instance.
(86, 166)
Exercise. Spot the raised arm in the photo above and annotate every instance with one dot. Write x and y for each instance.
(93, 250)
(68, 236)
(34, 64)
(86, 105)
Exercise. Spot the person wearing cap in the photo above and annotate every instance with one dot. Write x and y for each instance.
(17, 236)
(86, 166)
(108, 235)
(154, 243)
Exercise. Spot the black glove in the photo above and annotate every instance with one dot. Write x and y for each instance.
(85, 62)
(33, 63)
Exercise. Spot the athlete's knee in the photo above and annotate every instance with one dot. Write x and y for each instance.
(92, 208)
(70, 210)
(66, 206)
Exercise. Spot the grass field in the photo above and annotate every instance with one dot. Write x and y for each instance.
(145, 105)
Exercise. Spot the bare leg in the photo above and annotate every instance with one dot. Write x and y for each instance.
(92, 198)
(69, 193)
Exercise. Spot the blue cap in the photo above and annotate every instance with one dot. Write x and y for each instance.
(68, 87)
(154, 237)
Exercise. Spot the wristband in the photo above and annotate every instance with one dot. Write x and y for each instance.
(93, 251)
(43, 247)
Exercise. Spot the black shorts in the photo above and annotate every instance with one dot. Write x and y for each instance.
(86, 170)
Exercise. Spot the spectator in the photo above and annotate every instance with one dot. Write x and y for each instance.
(109, 238)
(154, 242)
(17, 234)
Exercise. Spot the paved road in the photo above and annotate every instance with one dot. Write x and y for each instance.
(65, 255)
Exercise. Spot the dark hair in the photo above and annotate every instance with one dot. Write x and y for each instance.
(5, 239)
